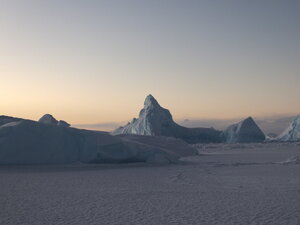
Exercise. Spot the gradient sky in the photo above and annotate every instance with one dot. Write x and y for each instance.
(95, 61)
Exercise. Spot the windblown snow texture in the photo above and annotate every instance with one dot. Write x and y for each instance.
(292, 133)
(243, 132)
(155, 120)
(230, 184)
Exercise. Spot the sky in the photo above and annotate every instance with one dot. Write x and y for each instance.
(95, 61)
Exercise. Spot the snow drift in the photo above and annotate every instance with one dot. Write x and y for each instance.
(155, 120)
(243, 131)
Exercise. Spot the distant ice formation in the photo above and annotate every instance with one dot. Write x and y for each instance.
(49, 119)
(155, 120)
(63, 123)
(243, 132)
(292, 133)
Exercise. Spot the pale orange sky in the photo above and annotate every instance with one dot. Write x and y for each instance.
(90, 62)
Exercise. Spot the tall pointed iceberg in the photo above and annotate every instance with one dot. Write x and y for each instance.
(155, 120)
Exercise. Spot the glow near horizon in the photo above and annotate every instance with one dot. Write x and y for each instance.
(95, 61)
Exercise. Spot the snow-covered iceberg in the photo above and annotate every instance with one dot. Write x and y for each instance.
(292, 133)
(243, 132)
(155, 120)
(30, 142)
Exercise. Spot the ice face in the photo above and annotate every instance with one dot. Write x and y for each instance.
(243, 131)
(292, 133)
(150, 101)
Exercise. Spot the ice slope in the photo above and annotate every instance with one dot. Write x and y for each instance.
(8, 119)
(30, 142)
(292, 133)
(243, 131)
(155, 120)
(167, 144)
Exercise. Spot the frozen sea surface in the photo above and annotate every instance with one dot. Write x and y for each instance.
(226, 184)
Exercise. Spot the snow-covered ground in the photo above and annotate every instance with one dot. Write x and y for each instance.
(226, 184)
